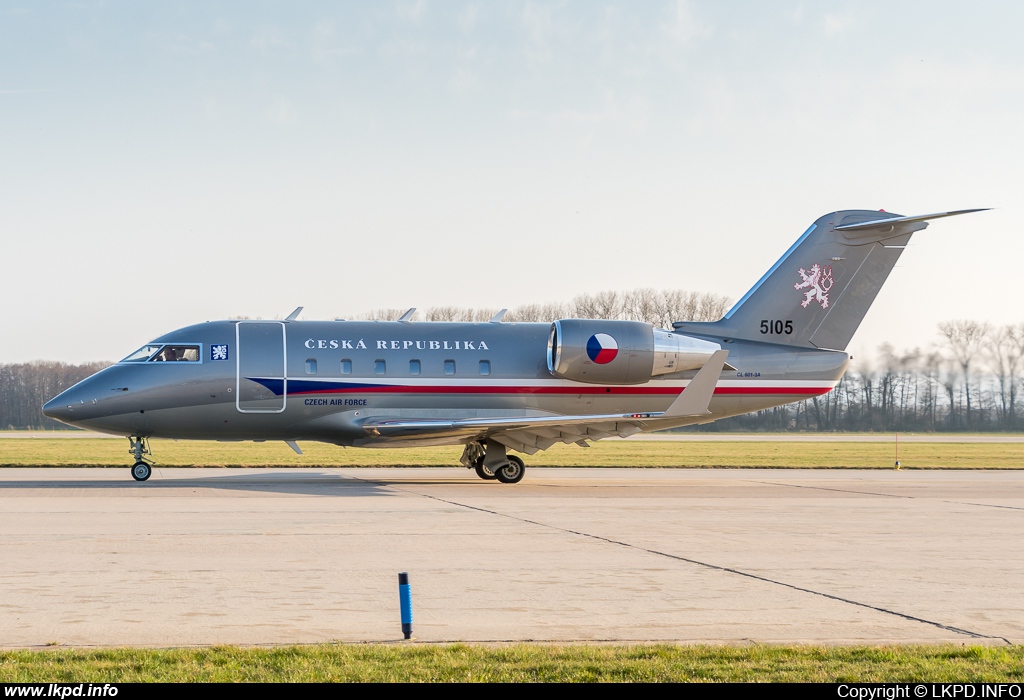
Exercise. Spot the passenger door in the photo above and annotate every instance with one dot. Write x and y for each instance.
(261, 385)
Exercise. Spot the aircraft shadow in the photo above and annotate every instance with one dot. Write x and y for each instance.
(319, 484)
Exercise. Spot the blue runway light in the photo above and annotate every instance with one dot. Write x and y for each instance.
(405, 602)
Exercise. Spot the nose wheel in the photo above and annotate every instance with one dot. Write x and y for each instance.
(141, 471)
(139, 448)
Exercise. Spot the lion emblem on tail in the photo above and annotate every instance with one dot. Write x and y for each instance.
(817, 282)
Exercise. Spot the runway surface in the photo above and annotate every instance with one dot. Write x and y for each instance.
(310, 555)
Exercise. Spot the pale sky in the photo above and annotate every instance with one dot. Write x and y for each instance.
(166, 164)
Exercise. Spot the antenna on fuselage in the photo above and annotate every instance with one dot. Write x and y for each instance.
(294, 314)
(496, 318)
(407, 316)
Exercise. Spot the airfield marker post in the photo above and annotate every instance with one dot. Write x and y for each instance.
(405, 603)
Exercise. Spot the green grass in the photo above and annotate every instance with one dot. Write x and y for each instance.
(101, 452)
(520, 663)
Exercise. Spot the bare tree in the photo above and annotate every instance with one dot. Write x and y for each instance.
(381, 315)
(538, 313)
(642, 305)
(447, 313)
(1004, 349)
(964, 339)
(601, 305)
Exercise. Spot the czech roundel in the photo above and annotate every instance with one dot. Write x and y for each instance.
(602, 348)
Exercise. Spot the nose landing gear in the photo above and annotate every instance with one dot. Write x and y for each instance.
(139, 447)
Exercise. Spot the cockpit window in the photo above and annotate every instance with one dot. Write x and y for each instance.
(142, 354)
(177, 353)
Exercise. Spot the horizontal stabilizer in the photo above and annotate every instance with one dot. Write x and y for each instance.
(888, 223)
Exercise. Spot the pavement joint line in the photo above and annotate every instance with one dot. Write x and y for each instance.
(888, 495)
(984, 505)
(715, 567)
(825, 488)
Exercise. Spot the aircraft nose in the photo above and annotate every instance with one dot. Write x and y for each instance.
(58, 408)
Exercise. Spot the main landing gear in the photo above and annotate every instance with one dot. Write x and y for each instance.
(142, 469)
(490, 462)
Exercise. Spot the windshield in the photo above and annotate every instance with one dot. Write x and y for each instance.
(142, 354)
(178, 353)
(165, 353)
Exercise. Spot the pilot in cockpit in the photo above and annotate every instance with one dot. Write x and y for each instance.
(168, 354)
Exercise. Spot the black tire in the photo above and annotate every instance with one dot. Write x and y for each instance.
(141, 471)
(512, 472)
(483, 472)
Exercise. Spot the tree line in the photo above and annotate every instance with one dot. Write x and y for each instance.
(25, 387)
(969, 379)
(657, 307)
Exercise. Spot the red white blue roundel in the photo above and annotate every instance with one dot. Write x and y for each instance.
(602, 348)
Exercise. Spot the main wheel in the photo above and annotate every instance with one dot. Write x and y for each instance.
(512, 472)
(483, 472)
(141, 471)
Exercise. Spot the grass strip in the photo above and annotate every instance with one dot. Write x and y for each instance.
(100, 452)
(520, 663)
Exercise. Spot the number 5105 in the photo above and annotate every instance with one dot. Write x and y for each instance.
(776, 327)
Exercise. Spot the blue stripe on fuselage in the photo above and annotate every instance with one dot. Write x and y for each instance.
(308, 386)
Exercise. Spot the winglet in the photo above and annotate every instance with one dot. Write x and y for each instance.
(496, 318)
(694, 400)
(407, 316)
(294, 314)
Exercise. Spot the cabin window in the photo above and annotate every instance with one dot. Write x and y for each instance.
(177, 353)
(449, 367)
(414, 367)
(380, 367)
(142, 354)
(346, 366)
(310, 366)
(485, 367)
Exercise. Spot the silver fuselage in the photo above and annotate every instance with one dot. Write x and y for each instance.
(320, 380)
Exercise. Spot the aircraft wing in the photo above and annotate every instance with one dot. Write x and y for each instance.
(532, 433)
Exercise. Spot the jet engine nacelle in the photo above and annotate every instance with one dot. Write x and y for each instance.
(621, 352)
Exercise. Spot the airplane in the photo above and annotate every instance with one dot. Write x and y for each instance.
(498, 386)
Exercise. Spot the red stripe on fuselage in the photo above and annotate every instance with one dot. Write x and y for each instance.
(642, 391)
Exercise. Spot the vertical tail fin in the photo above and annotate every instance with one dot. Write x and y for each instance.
(818, 292)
